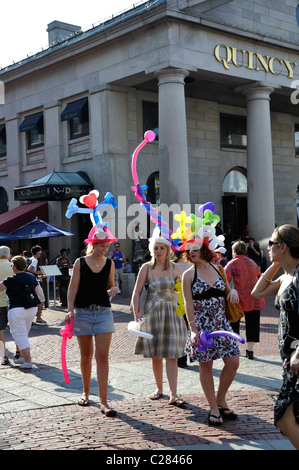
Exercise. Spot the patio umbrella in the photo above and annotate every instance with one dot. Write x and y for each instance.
(7, 237)
(39, 229)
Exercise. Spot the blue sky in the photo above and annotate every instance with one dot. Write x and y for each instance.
(24, 24)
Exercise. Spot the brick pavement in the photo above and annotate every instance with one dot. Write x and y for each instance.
(140, 423)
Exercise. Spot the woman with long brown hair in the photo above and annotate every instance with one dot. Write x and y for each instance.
(204, 297)
(283, 250)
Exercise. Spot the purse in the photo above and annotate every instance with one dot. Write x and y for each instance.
(234, 312)
(143, 296)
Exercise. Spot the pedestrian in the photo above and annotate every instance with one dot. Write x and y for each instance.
(204, 298)
(283, 251)
(127, 267)
(244, 274)
(90, 289)
(19, 317)
(160, 318)
(33, 268)
(118, 257)
(64, 264)
(5, 271)
(221, 255)
(254, 252)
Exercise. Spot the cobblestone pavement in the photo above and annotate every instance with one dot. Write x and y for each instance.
(38, 411)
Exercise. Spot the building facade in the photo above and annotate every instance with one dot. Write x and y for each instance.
(218, 81)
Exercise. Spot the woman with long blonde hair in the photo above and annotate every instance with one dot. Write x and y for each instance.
(90, 291)
(160, 318)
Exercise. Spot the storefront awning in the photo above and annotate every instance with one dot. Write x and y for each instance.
(15, 218)
(31, 122)
(74, 109)
(55, 187)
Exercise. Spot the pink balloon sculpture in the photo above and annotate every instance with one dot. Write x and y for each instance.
(149, 136)
(66, 332)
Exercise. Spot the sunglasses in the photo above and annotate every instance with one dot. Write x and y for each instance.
(271, 243)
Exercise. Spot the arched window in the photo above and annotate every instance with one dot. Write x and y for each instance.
(235, 182)
(153, 188)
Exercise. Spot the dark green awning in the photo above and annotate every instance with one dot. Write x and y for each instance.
(31, 122)
(75, 109)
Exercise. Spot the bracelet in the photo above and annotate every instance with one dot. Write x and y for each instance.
(268, 280)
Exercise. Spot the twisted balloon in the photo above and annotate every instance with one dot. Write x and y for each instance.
(207, 342)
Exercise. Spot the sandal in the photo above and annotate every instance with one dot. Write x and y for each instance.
(108, 411)
(226, 413)
(83, 401)
(215, 423)
(156, 395)
(179, 402)
(4, 361)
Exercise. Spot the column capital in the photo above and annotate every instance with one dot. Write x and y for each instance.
(171, 75)
(257, 91)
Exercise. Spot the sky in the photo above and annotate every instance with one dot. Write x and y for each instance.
(23, 24)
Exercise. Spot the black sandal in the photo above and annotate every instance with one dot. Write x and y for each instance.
(4, 361)
(215, 423)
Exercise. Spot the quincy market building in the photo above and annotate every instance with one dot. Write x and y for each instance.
(216, 79)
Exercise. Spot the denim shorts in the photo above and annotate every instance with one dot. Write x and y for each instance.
(93, 322)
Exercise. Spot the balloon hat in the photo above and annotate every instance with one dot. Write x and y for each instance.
(96, 236)
(99, 233)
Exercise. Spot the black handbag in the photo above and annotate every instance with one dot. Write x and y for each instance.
(29, 297)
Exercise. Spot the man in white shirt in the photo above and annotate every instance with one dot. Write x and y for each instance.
(33, 268)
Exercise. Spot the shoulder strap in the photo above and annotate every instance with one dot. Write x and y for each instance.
(216, 269)
(195, 275)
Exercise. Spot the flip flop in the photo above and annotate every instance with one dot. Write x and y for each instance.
(214, 423)
(226, 413)
(179, 402)
(156, 395)
(108, 411)
(83, 401)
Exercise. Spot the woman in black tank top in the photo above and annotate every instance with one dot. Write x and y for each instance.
(284, 253)
(90, 290)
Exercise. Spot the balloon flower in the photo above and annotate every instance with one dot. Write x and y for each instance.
(66, 332)
(155, 217)
(206, 338)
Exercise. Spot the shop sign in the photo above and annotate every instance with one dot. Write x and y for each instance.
(230, 56)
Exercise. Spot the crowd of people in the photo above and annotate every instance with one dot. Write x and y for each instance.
(95, 281)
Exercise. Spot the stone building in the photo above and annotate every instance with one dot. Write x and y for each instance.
(218, 79)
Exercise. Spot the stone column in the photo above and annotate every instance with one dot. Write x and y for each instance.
(173, 150)
(261, 209)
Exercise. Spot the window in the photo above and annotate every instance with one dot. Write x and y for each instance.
(233, 132)
(297, 140)
(235, 182)
(33, 125)
(2, 140)
(150, 117)
(77, 115)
